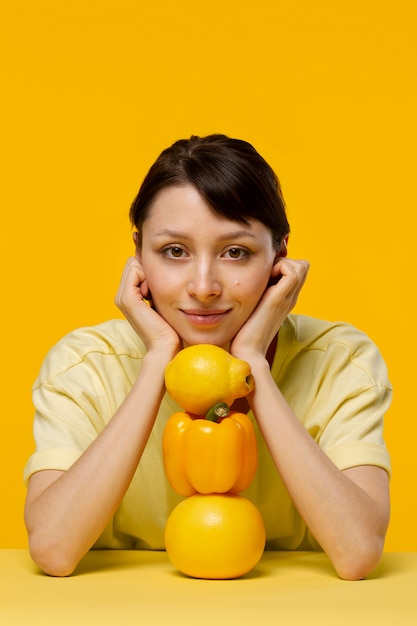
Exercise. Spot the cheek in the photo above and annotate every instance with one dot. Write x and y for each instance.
(254, 283)
(162, 284)
(250, 291)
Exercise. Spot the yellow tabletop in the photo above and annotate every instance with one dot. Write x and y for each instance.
(123, 588)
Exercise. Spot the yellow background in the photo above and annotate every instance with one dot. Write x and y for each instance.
(92, 91)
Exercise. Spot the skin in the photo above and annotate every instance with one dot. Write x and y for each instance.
(214, 288)
(215, 270)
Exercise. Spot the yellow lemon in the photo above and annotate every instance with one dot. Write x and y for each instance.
(202, 375)
(215, 536)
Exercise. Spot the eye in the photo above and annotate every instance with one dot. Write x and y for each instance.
(236, 253)
(174, 252)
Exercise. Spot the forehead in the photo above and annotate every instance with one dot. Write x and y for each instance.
(177, 197)
(182, 208)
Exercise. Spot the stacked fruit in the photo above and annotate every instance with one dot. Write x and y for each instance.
(210, 456)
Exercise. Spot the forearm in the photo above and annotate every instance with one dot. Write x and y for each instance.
(65, 518)
(347, 520)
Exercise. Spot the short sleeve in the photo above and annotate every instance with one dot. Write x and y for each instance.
(65, 422)
(354, 434)
(337, 383)
(82, 382)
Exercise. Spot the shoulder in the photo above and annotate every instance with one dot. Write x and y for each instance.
(114, 339)
(308, 331)
(333, 343)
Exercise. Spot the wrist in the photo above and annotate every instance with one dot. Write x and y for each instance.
(158, 358)
(255, 359)
(260, 367)
(151, 378)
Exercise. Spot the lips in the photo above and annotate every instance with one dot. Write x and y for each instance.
(204, 317)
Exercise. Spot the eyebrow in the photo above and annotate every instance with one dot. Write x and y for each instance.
(176, 234)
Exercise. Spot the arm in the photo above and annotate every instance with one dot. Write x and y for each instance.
(348, 511)
(65, 512)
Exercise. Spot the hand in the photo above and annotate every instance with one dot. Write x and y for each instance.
(154, 331)
(278, 300)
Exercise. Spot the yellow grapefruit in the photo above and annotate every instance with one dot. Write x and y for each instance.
(216, 536)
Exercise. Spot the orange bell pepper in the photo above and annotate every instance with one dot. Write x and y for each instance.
(204, 456)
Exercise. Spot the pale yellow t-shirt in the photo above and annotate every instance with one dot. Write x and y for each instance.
(331, 374)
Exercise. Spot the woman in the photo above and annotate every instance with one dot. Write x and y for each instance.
(211, 254)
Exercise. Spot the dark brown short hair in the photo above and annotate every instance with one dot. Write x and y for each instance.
(229, 174)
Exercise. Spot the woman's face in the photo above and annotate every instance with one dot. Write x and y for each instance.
(206, 273)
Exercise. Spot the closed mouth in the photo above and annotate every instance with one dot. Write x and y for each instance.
(204, 317)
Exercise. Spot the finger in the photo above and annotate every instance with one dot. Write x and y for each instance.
(126, 276)
(284, 266)
(132, 280)
(290, 274)
(299, 266)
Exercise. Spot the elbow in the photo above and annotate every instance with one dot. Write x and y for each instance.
(360, 553)
(359, 561)
(53, 560)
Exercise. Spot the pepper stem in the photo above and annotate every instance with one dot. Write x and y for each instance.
(221, 409)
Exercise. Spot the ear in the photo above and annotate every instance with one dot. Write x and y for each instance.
(281, 252)
(144, 287)
(135, 237)
(283, 249)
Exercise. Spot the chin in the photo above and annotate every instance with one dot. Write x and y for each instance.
(191, 339)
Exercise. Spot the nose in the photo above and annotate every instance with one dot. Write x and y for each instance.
(204, 284)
